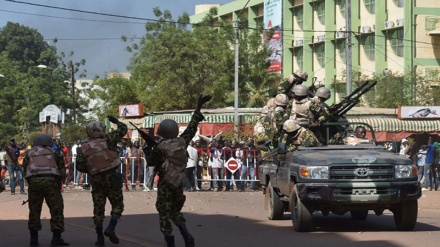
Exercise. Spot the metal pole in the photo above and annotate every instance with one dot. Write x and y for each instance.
(236, 82)
(73, 94)
(349, 66)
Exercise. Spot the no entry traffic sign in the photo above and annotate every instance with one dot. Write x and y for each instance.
(232, 165)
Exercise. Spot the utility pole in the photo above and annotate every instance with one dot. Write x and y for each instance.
(348, 62)
(237, 36)
(73, 94)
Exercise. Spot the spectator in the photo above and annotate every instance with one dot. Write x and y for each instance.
(3, 162)
(430, 163)
(421, 163)
(404, 148)
(251, 154)
(76, 174)
(240, 156)
(136, 164)
(202, 159)
(189, 182)
(14, 170)
(229, 152)
(215, 163)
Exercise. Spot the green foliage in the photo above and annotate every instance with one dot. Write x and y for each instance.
(27, 89)
(73, 133)
(172, 65)
(110, 93)
(392, 90)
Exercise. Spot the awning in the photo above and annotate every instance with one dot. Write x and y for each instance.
(397, 125)
(217, 118)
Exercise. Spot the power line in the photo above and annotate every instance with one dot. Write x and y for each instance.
(72, 18)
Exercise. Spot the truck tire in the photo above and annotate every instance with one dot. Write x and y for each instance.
(359, 214)
(405, 215)
(301, 216)
(275, 205)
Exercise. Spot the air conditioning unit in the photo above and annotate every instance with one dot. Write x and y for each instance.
(399, 22)
(366, 29)
(389, 24)
(299, 42)
(340, 35)
(320, 38)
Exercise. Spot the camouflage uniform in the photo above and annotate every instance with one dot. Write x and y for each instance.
(302, 137)
(262, 129)
(46, 187)
(170, 199)
(101, 182)
(319, 110)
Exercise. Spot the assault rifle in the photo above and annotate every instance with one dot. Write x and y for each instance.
(312, 88)
(150, 141)
(339, 109)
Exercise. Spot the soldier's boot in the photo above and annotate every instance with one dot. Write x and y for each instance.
(110, 230)
(100, 234)
(57, 240)
(189, 239)
(170, 241)
(34, 238)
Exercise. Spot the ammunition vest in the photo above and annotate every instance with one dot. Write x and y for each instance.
(41, 161)
(98, 157)
(300, 110)
(176, 158)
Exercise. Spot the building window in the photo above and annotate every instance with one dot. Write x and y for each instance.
(399, 3)
(299, 57)
(397, 41)
(320, 54)
(299, 17)
(368, 43)
(341, 4)
(340, 45)
(370, 5)
(320, 11)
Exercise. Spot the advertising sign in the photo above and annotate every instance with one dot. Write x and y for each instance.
(419, 112)
(273, 20)
(131, 110)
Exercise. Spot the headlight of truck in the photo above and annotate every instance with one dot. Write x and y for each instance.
(405, 171)
(314, 172)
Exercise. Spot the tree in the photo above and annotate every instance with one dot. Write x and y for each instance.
(27, 89)
(172, 65)
(392, 89)
(110, 93)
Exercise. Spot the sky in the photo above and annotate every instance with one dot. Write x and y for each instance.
(95, 38)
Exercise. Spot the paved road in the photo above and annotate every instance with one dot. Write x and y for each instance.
(219, 219)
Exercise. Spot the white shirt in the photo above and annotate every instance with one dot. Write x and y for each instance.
(74, 147)
(192, 157)
(3, 157)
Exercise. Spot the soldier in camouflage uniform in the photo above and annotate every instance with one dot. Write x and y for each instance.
(262, 127)
(299, 107)
(169, 158)
(44, 170)
(277, 120)
(320, 112)
(294, 79)
(98, 158)
(294, 135)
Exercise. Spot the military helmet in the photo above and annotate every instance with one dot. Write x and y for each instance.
(95, 129)
(291, 125)
(300, 90)
(281, 99)
(168, 128)
(302, 74)
(43, 140)
(270, 102)
(323, 92)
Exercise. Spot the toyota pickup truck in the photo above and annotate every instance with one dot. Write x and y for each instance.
(340, 179)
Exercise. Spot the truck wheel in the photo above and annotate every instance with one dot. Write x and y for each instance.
(359, 214)
(301, 216)
(275, 205)
(405, 215)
